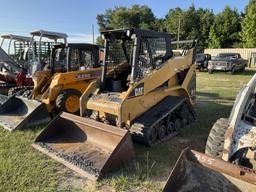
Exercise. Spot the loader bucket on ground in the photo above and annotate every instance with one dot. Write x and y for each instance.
(19, 112)
(88, 147)
(196, 171)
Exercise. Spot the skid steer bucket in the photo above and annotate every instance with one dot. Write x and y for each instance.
(19, 112)
(88, 147)
(196, 171)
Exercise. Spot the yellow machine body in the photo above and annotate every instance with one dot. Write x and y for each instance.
(48, 88)
(127, 107)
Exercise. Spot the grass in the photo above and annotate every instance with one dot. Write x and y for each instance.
(24, 169)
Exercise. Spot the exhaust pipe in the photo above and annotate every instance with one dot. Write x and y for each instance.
(19, 112)
(88, 147)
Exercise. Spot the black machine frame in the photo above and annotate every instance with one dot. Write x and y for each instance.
(85, 46)
(132, 34)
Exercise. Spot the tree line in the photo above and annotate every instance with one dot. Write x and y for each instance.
(227, 29)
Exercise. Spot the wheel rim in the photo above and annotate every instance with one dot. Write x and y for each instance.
(177, 124)
(170, 128)
(152, 135)
(190, 118)
(184, 122)
(161, 132)
(72, 104)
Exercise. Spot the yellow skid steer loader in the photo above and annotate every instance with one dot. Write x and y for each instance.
(144, 91)
(57, 88)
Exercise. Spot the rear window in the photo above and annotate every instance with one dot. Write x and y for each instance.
(224, 55)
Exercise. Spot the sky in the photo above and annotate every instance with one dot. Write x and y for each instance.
(76, 17)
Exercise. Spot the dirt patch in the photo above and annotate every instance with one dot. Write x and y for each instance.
(73, 181)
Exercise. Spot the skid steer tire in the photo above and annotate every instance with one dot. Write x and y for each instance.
(27, 94)
(215, 140)
(233, 71)
(68, 101)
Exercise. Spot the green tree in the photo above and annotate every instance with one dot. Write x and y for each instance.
(173, 20)
(159, 25)
(194, 24)
(225, 30)
(121, 17)
(248, 33)
(206, 19)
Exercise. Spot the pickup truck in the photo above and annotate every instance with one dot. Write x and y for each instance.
(227, 62)
(202, 61)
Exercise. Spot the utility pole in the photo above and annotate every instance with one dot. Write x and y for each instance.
(93, 41)
(178, 33)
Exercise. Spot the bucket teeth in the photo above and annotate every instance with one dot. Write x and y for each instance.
(88, 147)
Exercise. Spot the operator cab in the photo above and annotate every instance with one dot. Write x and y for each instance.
(131, 54)
(73, 57)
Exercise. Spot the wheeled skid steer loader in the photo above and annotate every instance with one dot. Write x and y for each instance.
(229, 162)
(234, 139)
(144, 91)
(56, 88)
(38, 55)
(31, 54)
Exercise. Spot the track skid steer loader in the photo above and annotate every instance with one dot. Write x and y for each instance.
(198, 172)
(144, 91)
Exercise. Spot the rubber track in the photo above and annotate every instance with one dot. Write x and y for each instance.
(167, 107)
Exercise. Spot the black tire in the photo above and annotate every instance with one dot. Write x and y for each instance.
(21, 91)
(152, 136)
(210, 71)
(243, 69)
(233, 71)
(215, 140)
(27, 94)
(62, 99)
(161, 132)
(12, 91)
(177, 125)
(170, 128)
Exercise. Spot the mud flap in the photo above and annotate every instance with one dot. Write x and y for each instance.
(19, 112)
(88, 147)
(196, 171)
